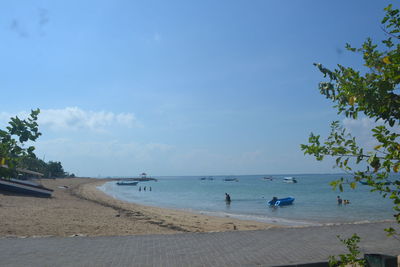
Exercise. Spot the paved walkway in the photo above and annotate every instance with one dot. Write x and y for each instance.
(248, 248)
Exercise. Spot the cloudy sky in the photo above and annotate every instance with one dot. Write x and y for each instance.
(178, 87)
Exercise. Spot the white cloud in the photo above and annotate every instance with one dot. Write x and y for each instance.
(74, 118)
(5, 116)
(361, 129)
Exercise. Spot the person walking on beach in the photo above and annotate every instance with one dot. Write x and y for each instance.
(339, 200)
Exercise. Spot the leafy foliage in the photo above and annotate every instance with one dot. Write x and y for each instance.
(374, 93)
(15, 154)
(353, 257)
(55, 169)
(51, 169)
(13, 142)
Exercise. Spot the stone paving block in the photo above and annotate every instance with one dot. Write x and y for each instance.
(272, 247)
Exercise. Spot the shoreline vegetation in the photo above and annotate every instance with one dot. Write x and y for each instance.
(78, 208)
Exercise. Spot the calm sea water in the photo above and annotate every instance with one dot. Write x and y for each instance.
(315, 201)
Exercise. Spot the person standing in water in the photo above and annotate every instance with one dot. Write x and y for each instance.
(339, 200)
(227, 198)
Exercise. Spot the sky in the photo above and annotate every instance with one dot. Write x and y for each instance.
(179, 87)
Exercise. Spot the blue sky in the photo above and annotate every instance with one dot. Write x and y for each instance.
(178, 87)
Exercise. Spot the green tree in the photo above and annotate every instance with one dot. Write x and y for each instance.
(33, 164)
(13, 142)
(373, 92)
(352, 258)
(55, 169)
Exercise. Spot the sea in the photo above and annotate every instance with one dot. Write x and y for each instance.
(315, 200)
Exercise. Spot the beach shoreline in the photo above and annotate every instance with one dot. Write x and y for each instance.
(79, 208)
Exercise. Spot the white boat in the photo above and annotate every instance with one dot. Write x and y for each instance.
(289, 180)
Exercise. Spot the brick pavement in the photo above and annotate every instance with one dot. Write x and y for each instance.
(271, 247)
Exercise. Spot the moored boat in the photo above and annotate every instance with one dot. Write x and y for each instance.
(268, 178)
(132, 183)
(290, 180)
(281, 201)
(231, 180)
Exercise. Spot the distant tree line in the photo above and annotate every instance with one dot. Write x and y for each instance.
(51, 169)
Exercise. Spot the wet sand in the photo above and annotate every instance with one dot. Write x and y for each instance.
(77, 207)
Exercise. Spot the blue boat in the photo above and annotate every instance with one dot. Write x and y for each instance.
(133, 183)
(281, 201)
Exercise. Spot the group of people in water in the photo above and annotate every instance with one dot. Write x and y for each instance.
(144, 188)
(341, 201)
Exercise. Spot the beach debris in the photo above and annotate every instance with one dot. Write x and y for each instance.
(62, 187)
(77, 235)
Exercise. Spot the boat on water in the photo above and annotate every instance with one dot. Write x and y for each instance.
(289, 180)
(231, 180)
(132, 183)
(24, 187)
(268, 178)
(275, 202)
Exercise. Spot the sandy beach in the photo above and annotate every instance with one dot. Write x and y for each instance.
(77, 207)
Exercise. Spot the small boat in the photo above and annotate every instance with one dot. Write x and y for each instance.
(268, 178)
(24, 187)
(132, 183)
(231, 180)
(289, 180)
(281, 201)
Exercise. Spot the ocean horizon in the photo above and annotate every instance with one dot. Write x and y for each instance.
(315, 200)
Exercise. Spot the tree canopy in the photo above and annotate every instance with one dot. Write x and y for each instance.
(374, 93)
(15, 153)
(13, 142)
